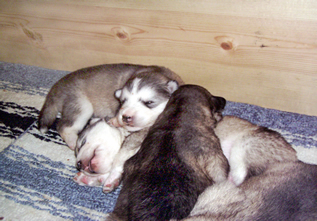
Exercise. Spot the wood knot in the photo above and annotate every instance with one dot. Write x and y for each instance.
(226, 45)
(121, 34)
(225, 42)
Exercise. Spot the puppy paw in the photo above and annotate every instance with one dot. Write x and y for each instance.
(111, 217)
(237, 176)
(70, 139)
(112, 182)
(114, 122)
(107, 188)
(85, 179)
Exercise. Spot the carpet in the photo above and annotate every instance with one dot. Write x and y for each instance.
(36, 170)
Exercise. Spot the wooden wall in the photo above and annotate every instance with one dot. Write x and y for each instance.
(261, 52)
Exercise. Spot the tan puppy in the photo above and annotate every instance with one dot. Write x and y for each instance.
(284, 191)
(266, 181)
(89, 92)
(250, 149)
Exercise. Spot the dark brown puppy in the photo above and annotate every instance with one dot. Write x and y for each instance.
(179, 158)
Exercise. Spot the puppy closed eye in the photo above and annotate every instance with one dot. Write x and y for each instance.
(149, 104)
(122, 101)
(83, 142)
(78, 147)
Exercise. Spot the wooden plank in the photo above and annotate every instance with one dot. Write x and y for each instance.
(253, 52)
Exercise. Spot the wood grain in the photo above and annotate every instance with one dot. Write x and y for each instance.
(257, 52)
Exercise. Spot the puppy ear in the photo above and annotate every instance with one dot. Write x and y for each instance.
(218, 103)
(117, 93)
(172, 86)
(221, 103)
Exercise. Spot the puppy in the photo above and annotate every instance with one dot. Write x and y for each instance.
(250, 148)
(178, 159)
(142, 99)
(284, 191)
(96, 148)
(266, 181)
(89, 92)
(99, 155)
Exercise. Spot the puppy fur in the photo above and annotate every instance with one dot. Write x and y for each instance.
(250, 148)
(179, 158)
(284, 191)
(266, 181)
(142, 99)
(87, 93)
(97, 146)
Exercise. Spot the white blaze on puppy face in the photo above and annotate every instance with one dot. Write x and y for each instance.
(140, 106)
(97, 146)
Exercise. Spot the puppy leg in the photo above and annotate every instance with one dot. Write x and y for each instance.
(114, 179)
(85, 179)
(75, 116)
(238, 166)
(130, 146)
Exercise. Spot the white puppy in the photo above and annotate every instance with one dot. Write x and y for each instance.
(96, 148)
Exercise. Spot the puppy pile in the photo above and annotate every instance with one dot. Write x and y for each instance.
(141, 93)
(177, 156)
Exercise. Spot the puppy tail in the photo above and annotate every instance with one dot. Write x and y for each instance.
(48, 114)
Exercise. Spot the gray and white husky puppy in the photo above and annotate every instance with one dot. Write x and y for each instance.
(138, 94)
(89, 92)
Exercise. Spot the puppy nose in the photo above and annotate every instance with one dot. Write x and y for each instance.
(79, 165)
(126, 118)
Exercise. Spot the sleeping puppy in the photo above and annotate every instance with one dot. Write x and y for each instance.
(142, 99)
(266, 180)
(178, 159)
(97, 146)
(101, 152)
(250, 148)
(284, 191)
(89, 92)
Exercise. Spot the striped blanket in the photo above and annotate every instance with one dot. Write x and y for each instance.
(36, 170)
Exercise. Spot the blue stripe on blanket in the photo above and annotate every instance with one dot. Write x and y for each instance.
(37, 181)
(279, 120)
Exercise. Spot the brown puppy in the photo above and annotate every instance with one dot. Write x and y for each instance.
(179, 158)
(89, 92)
(284, 191)
(250, 149)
